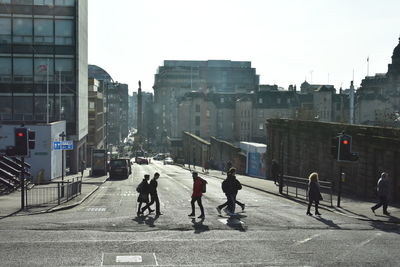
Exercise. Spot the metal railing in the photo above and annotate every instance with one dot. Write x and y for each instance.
(53, 193)
(298, 187)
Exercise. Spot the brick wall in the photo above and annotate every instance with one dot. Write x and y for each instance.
(302, 147)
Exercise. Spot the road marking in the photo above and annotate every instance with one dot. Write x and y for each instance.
(135, 258)
(155, 258)
(306, 240)
(231, 221)
(96, 209)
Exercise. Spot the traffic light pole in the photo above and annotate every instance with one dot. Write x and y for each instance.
(22, 183)
(339, 186)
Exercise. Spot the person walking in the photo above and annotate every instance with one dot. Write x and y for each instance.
(314, 193)
(197, 194)
(82, 167)
(275, 171)
(153, 194)
(383, 193)
(143, 189)
(231, 188)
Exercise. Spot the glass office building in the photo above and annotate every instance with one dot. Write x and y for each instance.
(43, 59)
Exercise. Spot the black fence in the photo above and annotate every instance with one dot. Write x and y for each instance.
(298, 187)
(53, 194)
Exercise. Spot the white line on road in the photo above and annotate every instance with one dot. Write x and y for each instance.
(306, 240)
(155, 258)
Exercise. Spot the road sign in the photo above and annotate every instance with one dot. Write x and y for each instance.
(63, 145)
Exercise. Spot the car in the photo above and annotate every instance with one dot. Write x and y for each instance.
(141, 160)
(159, 156)
(119, 168)
(168, 160)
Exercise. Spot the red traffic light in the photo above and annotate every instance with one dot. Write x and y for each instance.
(20, 134)
(345, 142)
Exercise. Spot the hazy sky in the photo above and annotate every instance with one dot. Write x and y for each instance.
(285, 40)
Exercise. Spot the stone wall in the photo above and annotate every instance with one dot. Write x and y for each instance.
(221, 152)
(302, 147)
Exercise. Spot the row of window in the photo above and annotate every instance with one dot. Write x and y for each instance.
(27, 69)
(40, 2)
(40, 31)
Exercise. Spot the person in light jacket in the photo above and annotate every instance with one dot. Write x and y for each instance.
(314, 193)
(383, 193)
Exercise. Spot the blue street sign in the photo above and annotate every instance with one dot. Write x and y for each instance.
(57, 145)
(63, 145)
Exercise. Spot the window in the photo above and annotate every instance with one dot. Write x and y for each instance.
(197, 132)
(23, 69)
(5, 69)
(23, 107)
(5, 30)
(22, 30)
(41, 65)
(197, 108)
(91, 105)
(222, 100)
(261, 126)
(288, 101)
(43, 2)
(260, 100)
(22, 2)
(208, 113)
(66, 67)
(278, 100)
(43, 29)
(65, 2)
(197, 120)
(5, 1)
(64, 32)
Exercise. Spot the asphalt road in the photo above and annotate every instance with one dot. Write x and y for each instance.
(272, 231)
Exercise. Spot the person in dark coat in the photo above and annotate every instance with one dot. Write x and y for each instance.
(197, 194)
(383, 193)
(153, 194)
(231, 186)
(144, 190)
(275, 171)
(314, 193)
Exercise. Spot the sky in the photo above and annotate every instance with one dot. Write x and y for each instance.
(287, 41)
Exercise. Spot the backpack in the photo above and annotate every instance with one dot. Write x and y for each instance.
(203, 186)
(139, 188)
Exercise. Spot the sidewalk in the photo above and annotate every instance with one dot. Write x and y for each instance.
(350, 207)
(11, 204)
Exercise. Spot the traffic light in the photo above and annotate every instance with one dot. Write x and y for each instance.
(335, 147)
(31, 139)
(345, 153)
(21, 142)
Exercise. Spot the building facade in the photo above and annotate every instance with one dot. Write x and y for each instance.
(175, 78)
(378, 98)
(43, 59)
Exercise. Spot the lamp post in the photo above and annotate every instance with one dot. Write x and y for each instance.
(62, 135)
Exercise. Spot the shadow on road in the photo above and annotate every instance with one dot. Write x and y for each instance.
(199, 227)
(330, 223)
(148, 220)
(235, 223)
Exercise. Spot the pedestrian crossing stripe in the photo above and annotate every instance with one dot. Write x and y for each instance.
(231, 221)
(98, 209)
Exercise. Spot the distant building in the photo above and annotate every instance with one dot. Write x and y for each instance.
(378, 98)
(176, 78)
(97, 122)
(132, 115)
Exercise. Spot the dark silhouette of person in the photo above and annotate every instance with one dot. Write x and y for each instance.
(231, 186)
(144, 190)
(197, 194)
(275, 170)
(314, 193)
(82, 167)
(383, 193)
(153, 194)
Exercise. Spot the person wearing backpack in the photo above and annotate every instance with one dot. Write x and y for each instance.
(143, 189)
(154, 196)
(231, 186)
(198, 188)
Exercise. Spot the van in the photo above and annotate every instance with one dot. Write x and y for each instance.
(119, 168)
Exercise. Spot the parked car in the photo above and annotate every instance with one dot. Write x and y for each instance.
(141, 160)
(119, 168)
(168, 160)
(159, 156)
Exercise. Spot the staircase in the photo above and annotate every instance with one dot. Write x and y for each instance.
(9, 174)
